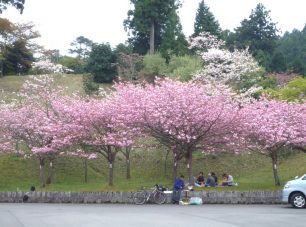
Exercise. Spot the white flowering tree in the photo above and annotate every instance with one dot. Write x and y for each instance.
(48, 67)
(238, 68)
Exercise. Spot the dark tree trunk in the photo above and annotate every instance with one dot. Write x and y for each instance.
(111, 155)
(175, 167)
(274, 166)
(50, 172)
(166, 159)
(85, 170)
(111, 173)
(152, 41)
(41, 172)
(189, 168)
(175, 163)
(128, 164)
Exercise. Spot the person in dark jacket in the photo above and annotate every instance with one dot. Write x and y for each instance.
(210, 181)
(215, 177)
(178, 186)
(200, 181)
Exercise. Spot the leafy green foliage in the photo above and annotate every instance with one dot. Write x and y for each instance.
(74, 63)
(293, 46)
(258, 32)
(89, 86)
(205, 21)
(154, 65)
(159, 14)
(101, 63)
(183, 67)
(278, 63)
(174, 42)
(295, 90)
(123, 48)
(18, 58)
(81, 46)
(180, 67)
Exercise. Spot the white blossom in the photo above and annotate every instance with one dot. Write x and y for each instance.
(47, 67)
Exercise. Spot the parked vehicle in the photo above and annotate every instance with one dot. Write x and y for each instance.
(294, 192)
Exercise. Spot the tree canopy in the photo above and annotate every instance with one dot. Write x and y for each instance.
(18, 4)
(205, 21)
(258, 33)
(101, 63)
(147, 23)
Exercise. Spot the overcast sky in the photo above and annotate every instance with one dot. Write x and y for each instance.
(61, 21)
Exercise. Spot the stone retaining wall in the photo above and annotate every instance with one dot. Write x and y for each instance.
(211, 197)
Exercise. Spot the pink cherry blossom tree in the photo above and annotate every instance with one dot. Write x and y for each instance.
(99, 125)
(272, 125)
(182, 117)
(33, 122)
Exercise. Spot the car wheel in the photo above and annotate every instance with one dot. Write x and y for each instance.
(298, 200)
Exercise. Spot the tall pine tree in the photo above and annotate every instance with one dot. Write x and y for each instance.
(173, 40)
(147, 23)
(258, 33)
(205, 21)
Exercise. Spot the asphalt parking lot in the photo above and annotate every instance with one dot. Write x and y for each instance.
(77, 215)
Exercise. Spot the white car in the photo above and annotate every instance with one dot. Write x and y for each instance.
(294, 192)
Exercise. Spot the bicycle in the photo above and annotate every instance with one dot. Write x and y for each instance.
(157, 195)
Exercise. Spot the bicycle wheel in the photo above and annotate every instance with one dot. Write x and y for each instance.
(140, 198)
(159, 197)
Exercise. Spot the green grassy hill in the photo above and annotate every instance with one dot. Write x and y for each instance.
(251, 171)
(12, 84)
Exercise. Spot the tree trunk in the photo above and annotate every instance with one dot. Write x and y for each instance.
(85, 169)
(50, 172)
(128, 164)
(175, 167)
(111, 174)
(111, 160)
(41, 173)
(166, 159)
(274, 165)
(189, 168)
(152, 41)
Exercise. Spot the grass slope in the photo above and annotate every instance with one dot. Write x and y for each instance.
(253, 172)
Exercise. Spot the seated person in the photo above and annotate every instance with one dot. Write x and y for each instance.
(215, 177)
(228, 180)
(200, 181)
(210, 181)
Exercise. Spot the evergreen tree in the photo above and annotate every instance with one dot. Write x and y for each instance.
(173, 40)
(293, 45)
(258, 32)
(147, 23)
(206, 22)
(101, 63)
(278, 62)
(18, 58)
